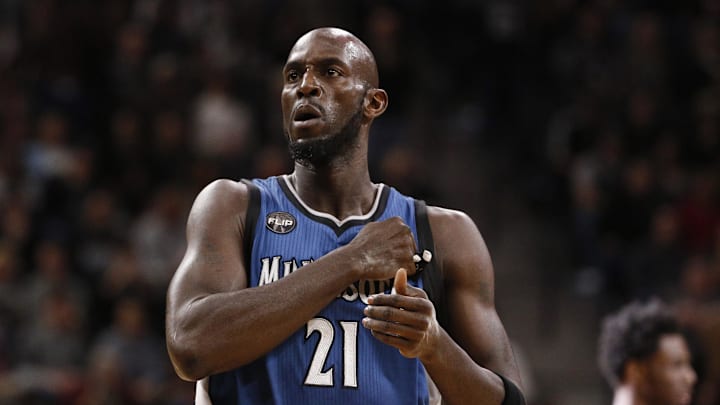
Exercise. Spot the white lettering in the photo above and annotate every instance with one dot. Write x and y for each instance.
(269, 272)
(367, 288)
(350, 294)
(278, 221)
(289, 266)
(364, 288)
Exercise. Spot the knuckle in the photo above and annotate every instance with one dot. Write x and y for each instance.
(393, 300)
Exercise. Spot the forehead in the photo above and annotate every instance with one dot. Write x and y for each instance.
(671, 348)
(319, 46)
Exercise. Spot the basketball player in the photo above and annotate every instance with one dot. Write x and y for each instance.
(307, 288)
(645, 357)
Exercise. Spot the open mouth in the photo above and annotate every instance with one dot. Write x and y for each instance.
(305, 113)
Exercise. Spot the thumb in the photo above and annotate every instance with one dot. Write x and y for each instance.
(400, 285)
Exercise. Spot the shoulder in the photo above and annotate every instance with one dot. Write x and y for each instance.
(459, 244)
(224, 192)
(448, 224)
(443, 216)
(221, 200)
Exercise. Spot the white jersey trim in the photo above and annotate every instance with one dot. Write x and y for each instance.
(331, 217)
(202, 395)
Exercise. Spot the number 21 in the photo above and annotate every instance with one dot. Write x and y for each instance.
(315, 375)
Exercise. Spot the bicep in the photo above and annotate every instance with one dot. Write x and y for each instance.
(213, 261)
(469, 284)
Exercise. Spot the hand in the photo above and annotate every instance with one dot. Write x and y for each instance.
(381, 248)
(404, 319)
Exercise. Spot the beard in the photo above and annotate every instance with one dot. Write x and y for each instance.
(329, 148)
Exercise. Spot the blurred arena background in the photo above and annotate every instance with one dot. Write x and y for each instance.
(582, 136)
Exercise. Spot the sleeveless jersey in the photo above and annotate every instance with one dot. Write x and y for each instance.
(333, 359)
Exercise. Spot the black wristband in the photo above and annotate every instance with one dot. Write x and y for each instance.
(513, 396)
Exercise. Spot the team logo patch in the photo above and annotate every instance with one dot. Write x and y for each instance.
(280, 222)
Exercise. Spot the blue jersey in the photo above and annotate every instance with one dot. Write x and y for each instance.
(332, 359)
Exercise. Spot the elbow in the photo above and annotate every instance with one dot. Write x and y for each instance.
(185, 347)
(186, 360)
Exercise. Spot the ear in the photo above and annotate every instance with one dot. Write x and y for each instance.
(376, 101)
(634, 373)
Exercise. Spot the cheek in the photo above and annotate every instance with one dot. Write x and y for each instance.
(657, 384)
(671, 385)
(343, 110)
(286, 104)
(331, 113)
(334, 112)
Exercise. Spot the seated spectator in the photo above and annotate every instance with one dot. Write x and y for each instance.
(645, 357)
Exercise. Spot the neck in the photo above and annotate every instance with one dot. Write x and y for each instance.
(339, 190)
(626, 395)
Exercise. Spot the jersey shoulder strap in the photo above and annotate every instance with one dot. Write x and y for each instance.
(432, 274)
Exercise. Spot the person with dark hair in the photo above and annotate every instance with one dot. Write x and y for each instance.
(644, 356)
(321, 286)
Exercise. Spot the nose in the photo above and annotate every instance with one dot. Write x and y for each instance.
(309, 86)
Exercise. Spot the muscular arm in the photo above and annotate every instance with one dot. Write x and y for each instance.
(215, 323)
(475, 341)
(459, 359)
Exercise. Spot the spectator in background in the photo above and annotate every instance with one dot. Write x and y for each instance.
(105, 383)
(50, 155)
(222, 124)
(143, 366)
(99, 230)
(645, 357)
(158, 236)
(698, 310)
(654, 263)
(169, 147)
(51, 350)
(52, 272)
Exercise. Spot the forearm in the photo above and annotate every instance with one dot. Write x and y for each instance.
(222, 331)
(459, 379)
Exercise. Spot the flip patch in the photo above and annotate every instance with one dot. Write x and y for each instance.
(280, 222)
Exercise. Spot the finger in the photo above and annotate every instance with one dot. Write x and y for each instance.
(400, 285)
(392, 329)
(395, 296)
(408, 303)
(415, 292)
(412, 319)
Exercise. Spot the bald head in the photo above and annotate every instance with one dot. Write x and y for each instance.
(348, 47)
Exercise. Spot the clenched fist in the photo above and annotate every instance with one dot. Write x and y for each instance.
(381, 248)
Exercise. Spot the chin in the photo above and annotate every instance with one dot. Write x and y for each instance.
(682, 399)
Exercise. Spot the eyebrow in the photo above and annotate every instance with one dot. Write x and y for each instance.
(326, 61)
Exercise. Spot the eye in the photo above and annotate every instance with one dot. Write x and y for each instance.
(291, 75)
(332, 72)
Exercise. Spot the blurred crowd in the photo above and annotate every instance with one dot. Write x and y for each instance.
(114, 114)
(633, 159)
